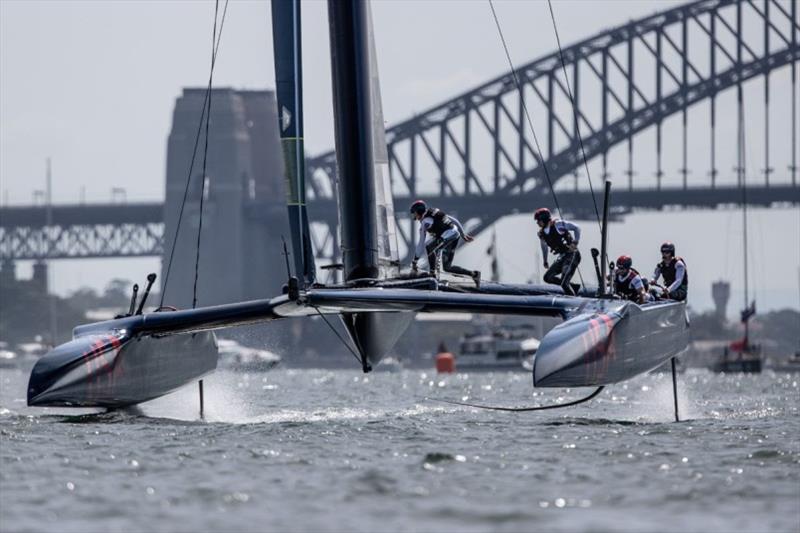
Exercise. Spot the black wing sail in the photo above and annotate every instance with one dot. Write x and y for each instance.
(287, 43)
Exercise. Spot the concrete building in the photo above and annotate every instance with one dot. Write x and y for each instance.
(244, 210)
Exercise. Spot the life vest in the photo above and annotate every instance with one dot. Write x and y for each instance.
(441, 222)
(624, 287)
(558, 242)
(670, 272)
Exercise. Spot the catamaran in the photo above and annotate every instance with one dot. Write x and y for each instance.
(135, 358)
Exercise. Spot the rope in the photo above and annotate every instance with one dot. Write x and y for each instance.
(574, 112)
(523, 409)
(206, 102)
(525, 108)
(530, 122)
(205, 158)
(346, 345)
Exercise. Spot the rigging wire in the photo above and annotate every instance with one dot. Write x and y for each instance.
(203, 175)
(574, 112)
(203, 116)
(346, 345)
(539, 156)
(743, 184)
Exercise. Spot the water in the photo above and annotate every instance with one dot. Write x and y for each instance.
(326, 450)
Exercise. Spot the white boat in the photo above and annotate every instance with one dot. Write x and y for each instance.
(498, 347)
(7, 357)
(234, 356)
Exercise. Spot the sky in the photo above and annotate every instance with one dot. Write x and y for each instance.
(92, 85)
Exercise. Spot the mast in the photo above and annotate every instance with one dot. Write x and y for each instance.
(51, 297)
(741, 162)
(348, 24)
(287, 44)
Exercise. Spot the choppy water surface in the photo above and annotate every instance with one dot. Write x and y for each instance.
(335, 450)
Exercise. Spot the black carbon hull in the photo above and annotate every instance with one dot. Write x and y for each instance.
(116, 370)
(609, 341)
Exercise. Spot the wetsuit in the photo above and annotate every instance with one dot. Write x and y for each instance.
(556, 237)
(445, 231)
(676, 278)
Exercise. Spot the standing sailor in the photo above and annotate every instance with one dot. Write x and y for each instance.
(554, 234)
(673, 269)
(628, 283)
(445, 231)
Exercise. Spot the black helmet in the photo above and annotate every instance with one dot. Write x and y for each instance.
(542, 215)
(624, 261)
(418, 208)
(668, 247)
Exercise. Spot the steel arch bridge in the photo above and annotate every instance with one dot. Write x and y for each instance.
(475, 154)
(695, 51)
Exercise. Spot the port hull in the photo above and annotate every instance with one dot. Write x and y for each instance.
(115, 369)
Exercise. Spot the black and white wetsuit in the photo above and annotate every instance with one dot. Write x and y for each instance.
(445, 232)
(676, 278)
(556, 237)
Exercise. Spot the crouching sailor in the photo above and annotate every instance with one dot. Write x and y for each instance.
(554, 234)
(445, 231)
(673, 270)
(628, 283)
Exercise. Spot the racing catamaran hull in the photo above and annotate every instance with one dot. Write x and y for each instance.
(116, 369)
(134, 359)
(611, 341)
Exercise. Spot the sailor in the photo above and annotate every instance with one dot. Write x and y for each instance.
(554, 234)
(673, 270)
(445, 231)
(628, 283)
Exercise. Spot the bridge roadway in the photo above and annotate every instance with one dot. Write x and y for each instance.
(136, 229)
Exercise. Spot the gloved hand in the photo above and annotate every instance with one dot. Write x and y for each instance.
(546, 265)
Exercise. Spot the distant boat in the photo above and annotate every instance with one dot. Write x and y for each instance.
(8, 358)
(739, 357)
(390, 364)
(748, 355)
(790, 364)
(234, 356)
(497, 347)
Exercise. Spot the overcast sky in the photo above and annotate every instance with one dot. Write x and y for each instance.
(93, 84)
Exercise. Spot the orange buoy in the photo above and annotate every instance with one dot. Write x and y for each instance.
(445, 363)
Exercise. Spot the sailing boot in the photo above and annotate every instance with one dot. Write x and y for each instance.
(476, 277)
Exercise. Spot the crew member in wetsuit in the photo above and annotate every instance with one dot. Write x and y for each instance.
(628, 283)
(445, 231)
(673, 270)
(554, 234)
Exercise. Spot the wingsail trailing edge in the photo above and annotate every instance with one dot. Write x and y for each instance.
(140, 357)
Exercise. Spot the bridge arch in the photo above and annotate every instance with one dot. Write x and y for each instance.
(697, 51)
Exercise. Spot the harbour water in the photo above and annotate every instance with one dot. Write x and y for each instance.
(321, 450)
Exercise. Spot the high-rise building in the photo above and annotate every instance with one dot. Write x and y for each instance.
(721, 293)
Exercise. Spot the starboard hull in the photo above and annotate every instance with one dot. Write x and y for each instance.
(610, 341)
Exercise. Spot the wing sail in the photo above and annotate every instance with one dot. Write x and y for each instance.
(386, 225)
